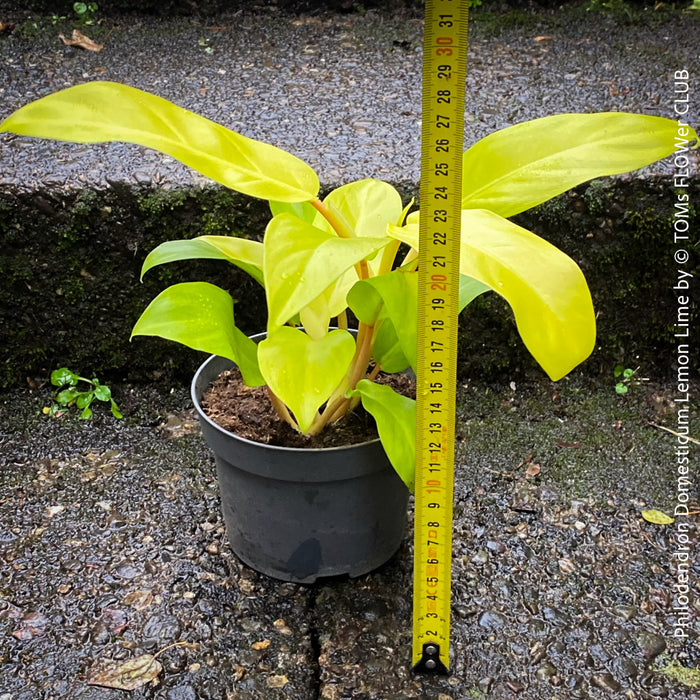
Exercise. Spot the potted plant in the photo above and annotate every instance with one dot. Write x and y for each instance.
(326, 512)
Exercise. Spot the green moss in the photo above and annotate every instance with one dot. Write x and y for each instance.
(689, 677)
(71, 266)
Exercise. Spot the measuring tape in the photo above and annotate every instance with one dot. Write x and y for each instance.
(444, 75)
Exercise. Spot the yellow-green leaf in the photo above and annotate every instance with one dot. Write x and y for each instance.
(657, 517)
(398, 292)
(521, 166)
(366, 206)
(301, 261)
(106, 111)
(303, 372)
(200, 315)
(396, 423)
(242, 252)
(545, 288)
(316, 316)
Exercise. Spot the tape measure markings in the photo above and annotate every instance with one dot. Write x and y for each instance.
(444, 75)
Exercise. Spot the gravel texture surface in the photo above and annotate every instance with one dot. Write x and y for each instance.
(113, 547)
(340, 91)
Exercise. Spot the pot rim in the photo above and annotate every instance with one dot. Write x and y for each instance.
(280, 448)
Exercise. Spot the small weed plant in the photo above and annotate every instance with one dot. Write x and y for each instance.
(626, 378)
(86, 12)
(70, 394)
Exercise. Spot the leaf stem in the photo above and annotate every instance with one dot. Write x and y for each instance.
(337, 408)
(342, 228)
(281, 409)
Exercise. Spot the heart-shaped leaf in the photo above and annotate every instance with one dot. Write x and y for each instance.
(106, 111)
(303, 372)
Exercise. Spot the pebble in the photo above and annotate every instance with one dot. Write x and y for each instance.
(556, 616)
(651, 644)
(626, 612)
(161, 629)
(182, 692)
(127, 571)
(606, 681)
(480, 558)
(546, 671)
(625, 667)
(490, 620)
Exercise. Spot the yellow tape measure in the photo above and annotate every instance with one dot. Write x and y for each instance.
(444, 75)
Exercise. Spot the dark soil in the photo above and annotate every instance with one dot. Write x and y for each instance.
(248, 412)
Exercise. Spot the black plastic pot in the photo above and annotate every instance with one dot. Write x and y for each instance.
(300, 514)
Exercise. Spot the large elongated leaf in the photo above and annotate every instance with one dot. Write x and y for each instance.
(301, 261)
(200, 315)
(396, 423)
(245, 254)
(521, 166)
(105, 111)
(545, 288)
(470, 289)
(303, 372)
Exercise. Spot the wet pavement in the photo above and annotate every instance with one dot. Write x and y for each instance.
(340, 91)
(113, 547)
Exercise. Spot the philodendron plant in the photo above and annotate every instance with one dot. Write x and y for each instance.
(321, 257)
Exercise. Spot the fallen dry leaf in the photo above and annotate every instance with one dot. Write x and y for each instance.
(576, 445)
(6, 27)
(126, 675)
(543, 38)
(277, 681)
(81, 41)
(281, 626)
(139, 599)
(33, 624)
(532, 470)
(115, 620)
(261, 646)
